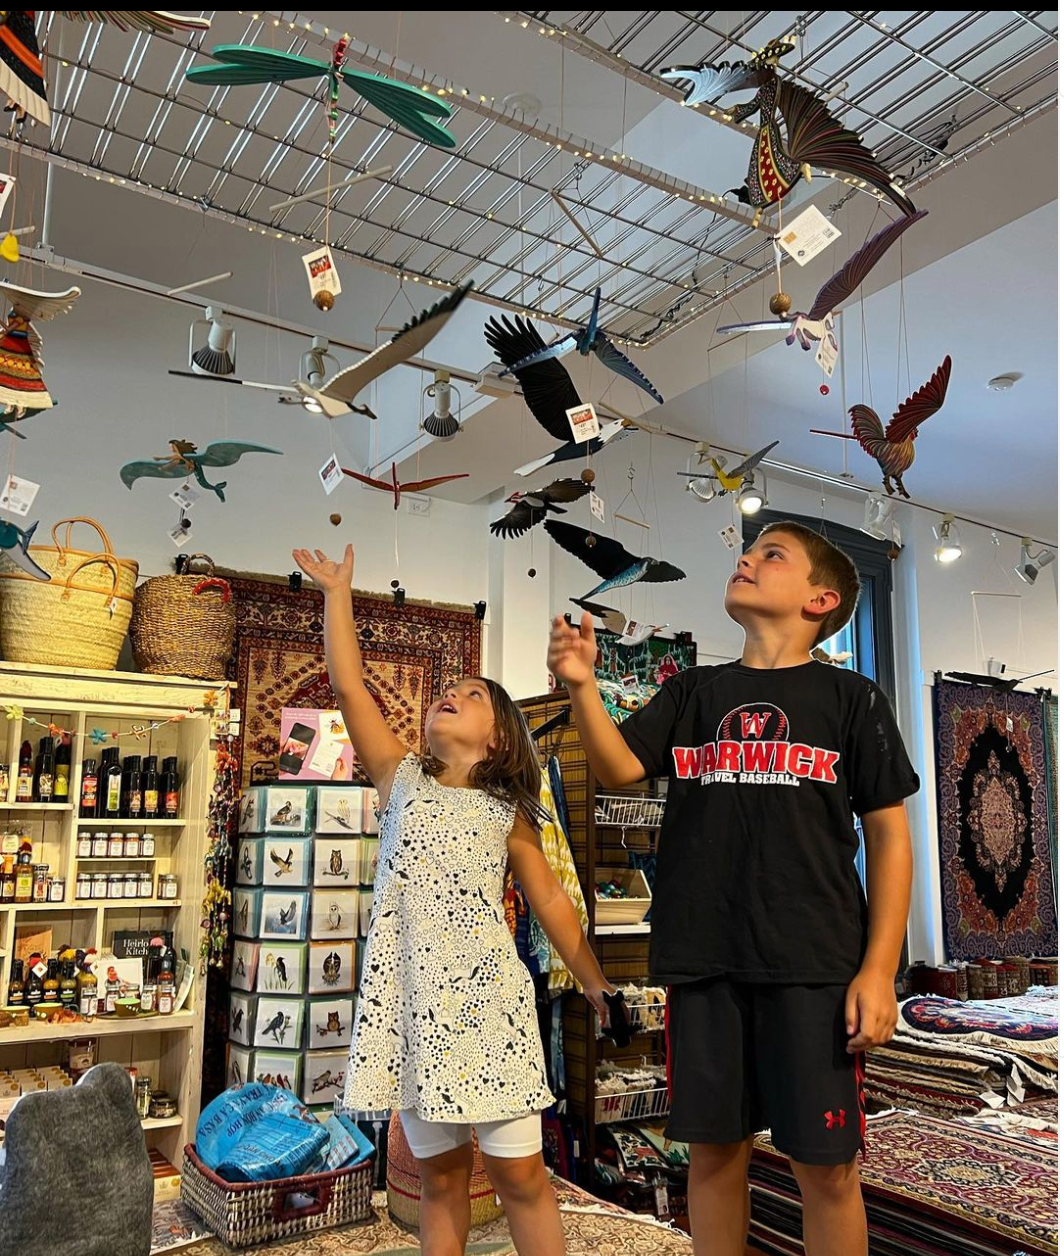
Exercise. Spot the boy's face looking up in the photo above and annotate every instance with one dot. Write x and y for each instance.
(772, 584)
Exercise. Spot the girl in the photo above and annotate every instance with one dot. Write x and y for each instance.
(445, 1028)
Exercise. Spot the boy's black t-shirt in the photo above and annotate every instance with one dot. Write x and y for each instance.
(755, 875)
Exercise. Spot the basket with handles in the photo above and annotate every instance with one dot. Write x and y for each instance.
(78, 619)
(184, 625)
(404, 1182)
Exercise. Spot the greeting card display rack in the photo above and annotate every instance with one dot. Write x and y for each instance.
(168, 1049)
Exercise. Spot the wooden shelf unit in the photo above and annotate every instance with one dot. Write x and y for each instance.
(169, 1049)
(622, 950)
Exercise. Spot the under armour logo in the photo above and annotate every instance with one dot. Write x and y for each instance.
(831, 1119)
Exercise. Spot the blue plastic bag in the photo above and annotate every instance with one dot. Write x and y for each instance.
(224, 1121)
(280, 1145)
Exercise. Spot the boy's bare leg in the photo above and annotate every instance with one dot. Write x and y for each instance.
(718, 1197)
(833, 1212)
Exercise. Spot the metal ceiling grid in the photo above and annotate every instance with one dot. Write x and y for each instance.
(486, 210)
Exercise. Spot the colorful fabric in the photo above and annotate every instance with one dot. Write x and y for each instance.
(410, 653)
(993, 821)
(930, 1186)
(1049, 723)
(556, 849)
(981, 1021)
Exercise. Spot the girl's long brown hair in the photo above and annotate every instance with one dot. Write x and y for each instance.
(511, 771)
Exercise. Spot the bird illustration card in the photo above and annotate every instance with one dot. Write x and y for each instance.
(339, 810)
(323, 1076)
(371, 811)
(365, 912)
(334, 914)
(239, 1071)
(241, 1018)
(329, 1022)
(371, 849)
(282, 968)
(244, 964)
(277, 1068)
(251, 810)
(337, 861)
(247, 912)
(286, 861)
(249, 855)
(288, 810)
(278, 1023)
(331, 967)
(284, 915)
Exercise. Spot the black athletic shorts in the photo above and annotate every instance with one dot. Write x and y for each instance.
(744, 1057)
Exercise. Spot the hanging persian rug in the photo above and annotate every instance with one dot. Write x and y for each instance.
(1049, 720)
(993, 823)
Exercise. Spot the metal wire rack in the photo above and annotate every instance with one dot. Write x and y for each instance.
(627, 811)
(632, 1105)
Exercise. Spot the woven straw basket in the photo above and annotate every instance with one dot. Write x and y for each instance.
(184, 625)
(80, 618)
(243, 1213)
(404, 1181)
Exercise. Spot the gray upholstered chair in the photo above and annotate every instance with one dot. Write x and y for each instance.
(76, 1179)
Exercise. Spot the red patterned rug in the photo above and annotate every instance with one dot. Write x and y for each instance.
(409, 653)
(993, 823)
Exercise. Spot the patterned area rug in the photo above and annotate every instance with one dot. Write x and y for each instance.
(930, 1186)
(993, 822)
(592, 1228)
(1049, 719)
(410, 653)
(982, 1021)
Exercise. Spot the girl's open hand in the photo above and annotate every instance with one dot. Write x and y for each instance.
(325, 573)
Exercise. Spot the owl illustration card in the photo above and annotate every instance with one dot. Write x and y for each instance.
(284, 915)
(334, 914)
(285, 861)
(337, 862)
(331, 967)
(282, 968)
(339, 810)
(329, 1022)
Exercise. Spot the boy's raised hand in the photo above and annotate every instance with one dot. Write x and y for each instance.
(572, 651)
(325, 573)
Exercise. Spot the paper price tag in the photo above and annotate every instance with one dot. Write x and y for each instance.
(185, 497)
(18, 495)
(39, 969)
(827, 354)
(321, 271)
(730, 536)
(661, 1200)
(330, 475)
(631, 681)
(180, 534)
(584, 423)
(809, 234)
(598, 506)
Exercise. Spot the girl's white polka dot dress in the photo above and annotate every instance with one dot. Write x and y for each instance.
(446, 1017)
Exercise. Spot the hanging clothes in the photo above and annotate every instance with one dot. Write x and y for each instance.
(554, 839)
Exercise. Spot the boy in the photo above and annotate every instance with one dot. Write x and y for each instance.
(779, 974)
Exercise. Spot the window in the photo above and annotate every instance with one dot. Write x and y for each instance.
(869, 636)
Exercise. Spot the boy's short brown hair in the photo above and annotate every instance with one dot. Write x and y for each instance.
(830, 568)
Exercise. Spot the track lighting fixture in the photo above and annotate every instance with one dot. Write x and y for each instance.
(877, 516)
(1030, 563)
(217, 338)
(441, 423)
(312, 371)
(752, 498)
(949, 544)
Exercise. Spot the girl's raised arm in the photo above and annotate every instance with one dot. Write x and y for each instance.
(378, 749)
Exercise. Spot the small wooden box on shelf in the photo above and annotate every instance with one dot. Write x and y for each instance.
(168, 1049)
(603, 827)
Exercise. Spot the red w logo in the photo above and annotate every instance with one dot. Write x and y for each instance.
(831, 1119)
(753, 725)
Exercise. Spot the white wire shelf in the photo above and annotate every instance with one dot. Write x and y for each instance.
(631, 1105)
(628, 811)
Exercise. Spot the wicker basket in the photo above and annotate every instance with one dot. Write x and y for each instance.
(184, 625)
(404, 1182)
(79, 618)
(244, 1213)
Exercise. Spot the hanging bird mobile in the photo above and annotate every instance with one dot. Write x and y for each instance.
(895, 449)
(806, 328)
(528, 509)
(22, 389)
(628, 631)
(397, 489)
(609, 559)
(814, 136)
(589, 339)
(547, 388)
(730, 481)
(15, 545)
(412, 109)
(186, 461)
(22, 75)
(337, 395)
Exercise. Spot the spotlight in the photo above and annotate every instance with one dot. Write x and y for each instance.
(480, 609)
(877, 515)
(949, 545)
(218, 355)
(295, 582)
(705, 488)
(441, 423)
(1031, 564)
(751, 498)
(312, 370)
